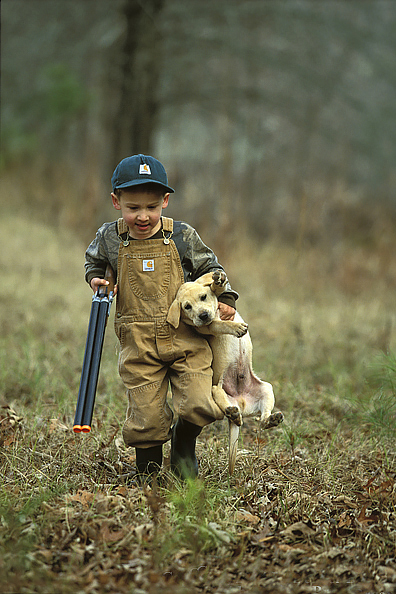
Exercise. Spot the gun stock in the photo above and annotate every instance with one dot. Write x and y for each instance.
(109, 276)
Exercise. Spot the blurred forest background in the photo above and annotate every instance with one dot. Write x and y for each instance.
(276, 122)
(275, 119)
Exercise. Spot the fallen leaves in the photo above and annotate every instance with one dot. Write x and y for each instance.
(10, 425)
(244, 517)
(367, 518)
(298, 531)
(109, 532)
(57, 425)
(84, 497)
(280, 523)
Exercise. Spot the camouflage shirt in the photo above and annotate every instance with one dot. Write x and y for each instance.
(196, 258)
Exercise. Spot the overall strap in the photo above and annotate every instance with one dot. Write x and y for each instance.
(167, 224)
(122, 227)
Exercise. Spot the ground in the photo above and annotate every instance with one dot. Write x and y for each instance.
(311, 504)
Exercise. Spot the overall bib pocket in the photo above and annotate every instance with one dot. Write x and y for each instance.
(149, 274)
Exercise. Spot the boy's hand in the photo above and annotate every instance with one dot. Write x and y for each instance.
(97, 282)
(226, 311)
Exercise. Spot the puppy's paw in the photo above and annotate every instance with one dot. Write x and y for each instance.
(274, 420)
(234, 415)
(239, 329)
(219, 278)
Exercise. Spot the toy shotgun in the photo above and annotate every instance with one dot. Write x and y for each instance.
(100, 310)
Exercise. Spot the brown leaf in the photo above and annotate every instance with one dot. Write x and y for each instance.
(386, 487)
(345, 520)
(262, 538)
(266, 541)
(102, 504)
(154, 577)
(245, 516)
(108, 535)
(123, 491)
(46, 554)
(294, 551)
(367, 486)
(56, 425)
(346, 501)
(9, 440)
(183, 552)
(11, 415)
(9, 424)
(143, 531)
(103, 577)
(84, 497)
(298, 530)
(371, 519)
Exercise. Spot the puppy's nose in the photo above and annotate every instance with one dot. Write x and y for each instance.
(204, 316)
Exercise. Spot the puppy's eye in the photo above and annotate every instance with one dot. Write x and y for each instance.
(187, 306)
(203, 298)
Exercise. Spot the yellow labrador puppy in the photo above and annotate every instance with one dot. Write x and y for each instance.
(236, 389)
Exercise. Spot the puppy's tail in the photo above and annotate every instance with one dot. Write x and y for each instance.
(233, 445)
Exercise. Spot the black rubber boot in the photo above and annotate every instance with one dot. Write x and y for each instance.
(183, 460)
(148, 462)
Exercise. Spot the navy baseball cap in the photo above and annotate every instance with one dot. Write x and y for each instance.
(137, 170)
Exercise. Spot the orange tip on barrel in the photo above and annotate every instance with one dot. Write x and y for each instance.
(77, 428)
(85, 429)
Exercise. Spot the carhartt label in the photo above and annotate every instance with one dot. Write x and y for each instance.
(148, 265)
(144, 168)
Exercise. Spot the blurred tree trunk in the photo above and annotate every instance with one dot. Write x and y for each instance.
(138, 72)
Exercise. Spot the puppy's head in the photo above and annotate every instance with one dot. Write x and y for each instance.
(195, 303)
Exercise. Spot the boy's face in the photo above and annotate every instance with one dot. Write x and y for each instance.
(141, 210)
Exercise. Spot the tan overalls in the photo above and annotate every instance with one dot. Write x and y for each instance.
(153, 353)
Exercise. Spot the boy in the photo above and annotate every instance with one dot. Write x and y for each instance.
(151, 257)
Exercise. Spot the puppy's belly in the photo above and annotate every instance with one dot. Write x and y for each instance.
(238, 378)
(231, 358)
(239, 382)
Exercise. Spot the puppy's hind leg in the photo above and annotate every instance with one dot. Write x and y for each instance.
(273, 420)
(234, 416)
(233, 413)
(233, 431)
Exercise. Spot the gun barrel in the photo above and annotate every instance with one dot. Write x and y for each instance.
(95, 365)
(100, 310)
(86, 364)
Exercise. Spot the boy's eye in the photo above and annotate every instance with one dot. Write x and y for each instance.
(187, 306)
(203, 298)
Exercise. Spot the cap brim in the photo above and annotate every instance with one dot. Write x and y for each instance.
(140, 182)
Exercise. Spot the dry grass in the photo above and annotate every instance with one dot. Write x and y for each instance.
(311, 504)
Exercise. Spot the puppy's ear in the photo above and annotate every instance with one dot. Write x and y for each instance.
(173, 317)
(205, 280)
